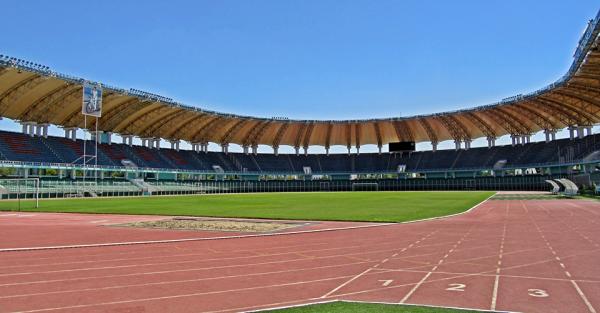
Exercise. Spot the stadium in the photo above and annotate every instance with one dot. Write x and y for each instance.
(157, 221)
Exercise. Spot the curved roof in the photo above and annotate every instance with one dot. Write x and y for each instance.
(33, 93)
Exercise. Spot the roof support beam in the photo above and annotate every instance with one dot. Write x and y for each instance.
(328, 137)
(430, 133)
(531, 115)
(48, 97)
(10, 96)
(357, 133)
(517, 122)
(482, 125)
(377, 129)
(299, 137)
(348, 136)
(565, 117)
(152, 128)
(233, 130)
(581, 116)
(201, 135)
(307, 135)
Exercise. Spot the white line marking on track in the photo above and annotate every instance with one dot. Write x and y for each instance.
(410, 293)
(80, 306)
(582, 295)
(179, 281)
(346, 283)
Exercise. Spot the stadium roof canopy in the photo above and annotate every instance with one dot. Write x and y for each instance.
(33, 93)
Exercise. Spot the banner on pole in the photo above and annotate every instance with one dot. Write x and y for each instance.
(92, 100)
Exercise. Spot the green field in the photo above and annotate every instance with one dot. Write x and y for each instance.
(347, 307)
(334, 206)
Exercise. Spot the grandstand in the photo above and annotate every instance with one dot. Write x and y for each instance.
(36, 96)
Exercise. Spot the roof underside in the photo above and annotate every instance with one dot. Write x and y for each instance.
(45, 97)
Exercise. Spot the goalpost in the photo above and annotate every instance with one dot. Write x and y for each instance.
(365, 186)
(20, 189)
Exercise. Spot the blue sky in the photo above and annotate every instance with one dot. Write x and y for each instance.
(305, 59)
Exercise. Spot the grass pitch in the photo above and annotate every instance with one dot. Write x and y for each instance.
(330, 206)
(347, 307)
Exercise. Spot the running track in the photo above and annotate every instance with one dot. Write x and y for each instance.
(527, 256)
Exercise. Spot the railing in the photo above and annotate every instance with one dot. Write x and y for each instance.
(69, 166)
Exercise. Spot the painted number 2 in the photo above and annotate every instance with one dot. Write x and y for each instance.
(538, 293)
(456, 287)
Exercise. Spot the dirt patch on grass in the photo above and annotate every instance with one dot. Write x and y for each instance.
(216, 225)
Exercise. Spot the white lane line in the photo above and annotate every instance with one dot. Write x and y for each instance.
(192, 262)
(410, 293)
(346, 283)
(368, 270)
(582, 295)
(179, 281)
(500, 255)
(187, 295)
(575, 285)
(99, 221)
(131, 243)
(414, 289)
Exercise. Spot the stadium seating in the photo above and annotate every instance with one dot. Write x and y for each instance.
(24, 148)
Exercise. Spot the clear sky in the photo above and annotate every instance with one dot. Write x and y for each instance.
(308, 59)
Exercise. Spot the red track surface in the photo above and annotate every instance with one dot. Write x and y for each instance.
(531, 256)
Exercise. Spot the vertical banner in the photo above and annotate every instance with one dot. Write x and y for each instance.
(92, 99)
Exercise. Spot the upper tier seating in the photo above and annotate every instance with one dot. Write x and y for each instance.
(21, 147)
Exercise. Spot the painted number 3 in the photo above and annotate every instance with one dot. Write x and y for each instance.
(538, 293)
(456, 287)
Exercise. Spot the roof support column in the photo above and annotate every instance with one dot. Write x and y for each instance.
(349, 149)
(549, 134)
(245, 149)
(491, 142)
(357, 150)
(96, 136)
(580, 130)
(467, 144)
(297, 149)
(589, 130)
(108, 136)
(305, 150)
(174, 144)
(42, 130)
(379, 148)
(127, 140)
(434, 145)
(31, 129)
(572, 132)
(457, 144)
(255, 149)
(225, 147)
(38, 130)
(326, 150)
